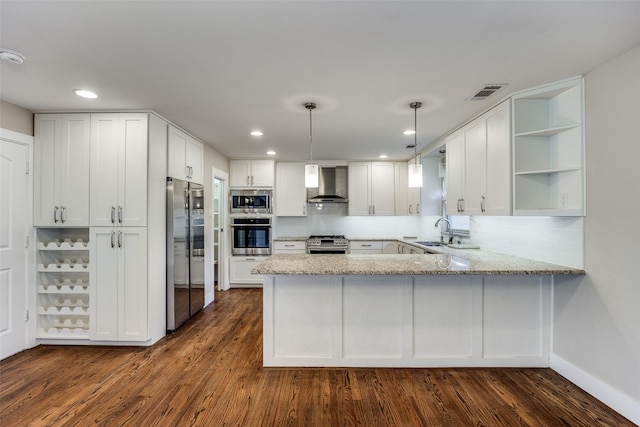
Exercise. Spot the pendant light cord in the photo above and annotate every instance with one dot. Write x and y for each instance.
(415, 106)
(310, 106)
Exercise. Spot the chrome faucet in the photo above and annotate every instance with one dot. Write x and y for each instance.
(449, 229)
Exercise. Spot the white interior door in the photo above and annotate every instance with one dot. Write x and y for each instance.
(13, 253)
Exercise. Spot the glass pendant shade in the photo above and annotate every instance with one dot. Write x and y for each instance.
(415, 175)
(311, 176)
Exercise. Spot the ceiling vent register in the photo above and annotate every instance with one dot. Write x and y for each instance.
(486, 92)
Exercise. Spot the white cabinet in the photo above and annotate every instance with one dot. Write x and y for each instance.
(478, 165)
(240, 272)
(289, 247)
(548, 144)
(251, 173)
(186, 157)
(365, 247)
(118, 284)
(371, 188)
(290, 193)
(61, 170)
(401, 194)
(119, 144)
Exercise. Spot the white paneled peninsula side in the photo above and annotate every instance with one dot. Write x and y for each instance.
(471, 309)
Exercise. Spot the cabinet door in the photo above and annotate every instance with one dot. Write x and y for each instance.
(239, 173)
(290, 193)
(195, 160)
(382, 188)
(240, 270)
(47, 129)
(103, 284)
(104, 169)
(402, 190)
(475, 170)
(455, 172)
(359, 188)
(61, 157)
(262, 173)
(177, 158)
(132, 169)
(132, 284)
(498, 191)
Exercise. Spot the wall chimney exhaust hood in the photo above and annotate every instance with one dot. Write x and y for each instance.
(332, 186)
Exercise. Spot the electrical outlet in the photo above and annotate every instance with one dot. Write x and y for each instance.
(564, 200)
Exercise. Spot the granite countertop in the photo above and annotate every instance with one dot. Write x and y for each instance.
(478, 262)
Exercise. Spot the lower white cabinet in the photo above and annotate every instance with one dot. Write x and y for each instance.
(365, 247)
(118, 284)
(290, 247)
(240, 272)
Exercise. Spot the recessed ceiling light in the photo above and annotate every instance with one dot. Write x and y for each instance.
(409, 132)
(86, 93)
(256, 133)
(271, 153)
(11, 56)
(382, 156)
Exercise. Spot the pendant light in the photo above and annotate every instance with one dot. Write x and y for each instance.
(415, 169)
(311, 170)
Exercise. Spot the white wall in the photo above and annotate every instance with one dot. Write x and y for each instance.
(597, 317)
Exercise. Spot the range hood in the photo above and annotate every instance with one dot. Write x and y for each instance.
(332, 186)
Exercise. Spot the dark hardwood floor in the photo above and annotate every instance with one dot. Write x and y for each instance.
(209, 373)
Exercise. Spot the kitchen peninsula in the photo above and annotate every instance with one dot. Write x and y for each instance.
(454, 308)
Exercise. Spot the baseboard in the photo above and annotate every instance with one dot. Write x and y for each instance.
(615, 399)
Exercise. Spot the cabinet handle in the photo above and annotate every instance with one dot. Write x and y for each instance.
(187, 172)
(482, 203)
(62, 210)
(113, 214)
(113, 235)
(366, 246)
(462, 205)
(248, 180)
(251, 179)
(304, 209)
(418, 208)
(374, 209)
(119, 214)
(410, 209)
(55, 214)
(119, 239)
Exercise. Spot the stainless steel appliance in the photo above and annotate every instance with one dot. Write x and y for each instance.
(185, 251)
(250, 201)
(251, 236)
(332, 244)
(332, 186)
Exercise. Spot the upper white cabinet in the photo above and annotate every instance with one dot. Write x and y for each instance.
(548, 144)
(61, 165)
(478, 165)
(186, 157)
(119, 144)
(290, 193)
(371, 188)
(251, 173)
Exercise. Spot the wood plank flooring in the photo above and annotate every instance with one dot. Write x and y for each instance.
(209, 373)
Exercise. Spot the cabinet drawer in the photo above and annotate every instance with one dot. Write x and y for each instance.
(289, 245)
(366, 245)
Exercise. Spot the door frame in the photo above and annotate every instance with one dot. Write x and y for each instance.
(30, 267)
(223, 271)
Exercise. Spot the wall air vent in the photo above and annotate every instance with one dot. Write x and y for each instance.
(412, 146)
(486, 91)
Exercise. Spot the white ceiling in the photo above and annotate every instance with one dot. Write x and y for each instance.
(223, 68)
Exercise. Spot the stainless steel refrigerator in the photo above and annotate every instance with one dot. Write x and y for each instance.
(185, 251)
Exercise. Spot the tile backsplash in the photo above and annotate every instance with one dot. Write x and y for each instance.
(558, 240)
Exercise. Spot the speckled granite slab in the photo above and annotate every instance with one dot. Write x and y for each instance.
(472, 262)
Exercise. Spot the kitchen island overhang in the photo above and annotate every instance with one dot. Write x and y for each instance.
(432, 310)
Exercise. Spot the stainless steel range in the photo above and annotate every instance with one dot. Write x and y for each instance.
(335, 244)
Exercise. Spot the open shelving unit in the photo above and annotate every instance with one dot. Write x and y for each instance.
(548, 150)
(63, 283)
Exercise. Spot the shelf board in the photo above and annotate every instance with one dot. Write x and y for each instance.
(548, 131)
(547, 171)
